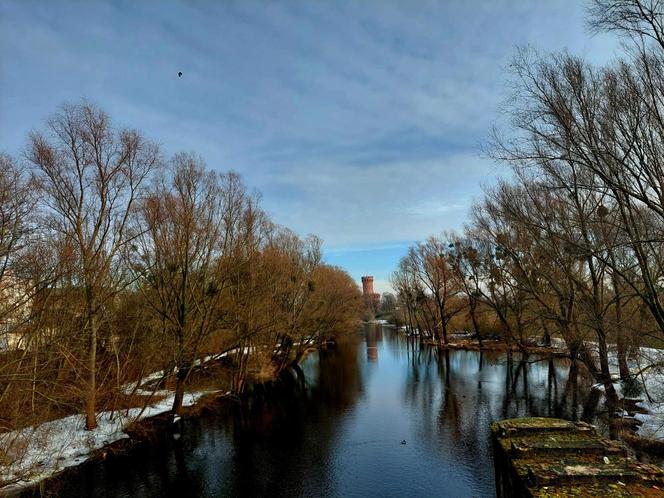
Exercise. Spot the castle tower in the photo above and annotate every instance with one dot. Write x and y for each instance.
(371, 299)
(367, 286)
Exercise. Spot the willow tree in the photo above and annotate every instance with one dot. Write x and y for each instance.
(187, 235)
(90, 175)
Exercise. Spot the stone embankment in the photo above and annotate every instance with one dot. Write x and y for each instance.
(541, 457)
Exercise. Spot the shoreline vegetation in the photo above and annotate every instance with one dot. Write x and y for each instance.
(133, 286)
(566, 250)
(63, 444)
(125, 275)
(635, 417)
(118, 434)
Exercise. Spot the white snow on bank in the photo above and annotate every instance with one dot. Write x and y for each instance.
(42, 451)
(134, 387)
(49, 448)
(652, 378)
(648, 368)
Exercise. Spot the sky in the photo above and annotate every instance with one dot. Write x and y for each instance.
(361, 122)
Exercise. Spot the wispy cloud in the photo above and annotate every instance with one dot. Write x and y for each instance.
(359, 121)
(369, 247)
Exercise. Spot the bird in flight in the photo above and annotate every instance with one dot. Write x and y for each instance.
(180, 74)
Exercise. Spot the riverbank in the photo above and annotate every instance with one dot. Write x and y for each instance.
(340, 432)
(336, 427)
(33, 455)
(638, 419)
(57, 450)
(442, 409)
(470, 344)
(42, 452)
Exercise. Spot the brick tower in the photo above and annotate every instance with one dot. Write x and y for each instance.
(367, 286)
(371, 299)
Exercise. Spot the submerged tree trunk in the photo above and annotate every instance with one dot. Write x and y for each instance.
(473, 318)
(444, 330)
(611, 395)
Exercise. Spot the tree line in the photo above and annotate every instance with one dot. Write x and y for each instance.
(116, 263)
(571, 243)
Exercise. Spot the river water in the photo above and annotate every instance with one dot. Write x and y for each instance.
(339, 430)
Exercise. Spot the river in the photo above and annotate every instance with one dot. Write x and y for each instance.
(376, 416)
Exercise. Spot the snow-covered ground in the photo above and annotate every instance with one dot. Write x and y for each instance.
(650, 372)
(42, 451)
(51, 447)
(648, 368)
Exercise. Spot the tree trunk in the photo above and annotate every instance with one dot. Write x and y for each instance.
(181, 378)
(611, 395)
(91, 398)
(473, 318)
(546, 338)
(622, 356)
(620, 335)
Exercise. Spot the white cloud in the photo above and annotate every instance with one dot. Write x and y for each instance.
(352, 204)
(359, 121)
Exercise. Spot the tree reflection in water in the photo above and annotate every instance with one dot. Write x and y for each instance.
(468, 390)
(334, 427)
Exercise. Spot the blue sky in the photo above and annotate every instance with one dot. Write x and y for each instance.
(361, 122)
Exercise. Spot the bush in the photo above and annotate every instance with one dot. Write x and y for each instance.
(631, 387)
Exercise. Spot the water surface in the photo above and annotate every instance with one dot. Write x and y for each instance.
(337, 431)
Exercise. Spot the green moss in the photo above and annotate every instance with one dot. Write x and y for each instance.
(554, 457)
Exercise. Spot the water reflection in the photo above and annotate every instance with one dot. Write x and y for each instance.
(373, 335)
(335, 428)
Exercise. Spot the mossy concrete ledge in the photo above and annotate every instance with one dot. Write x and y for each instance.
(541, 457)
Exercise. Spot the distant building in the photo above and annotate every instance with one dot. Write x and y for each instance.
(15, 306)
(371, 299)
(367, 285)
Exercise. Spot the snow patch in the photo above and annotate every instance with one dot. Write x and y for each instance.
(49, 448)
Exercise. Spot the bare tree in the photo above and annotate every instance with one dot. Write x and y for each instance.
(17, 224)
(90, 175)
(468, 259)
(432, 284)
(188, 231)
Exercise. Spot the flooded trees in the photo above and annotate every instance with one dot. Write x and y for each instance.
(429, 286)
(577, 231)
(571, 244)
(288, 301)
